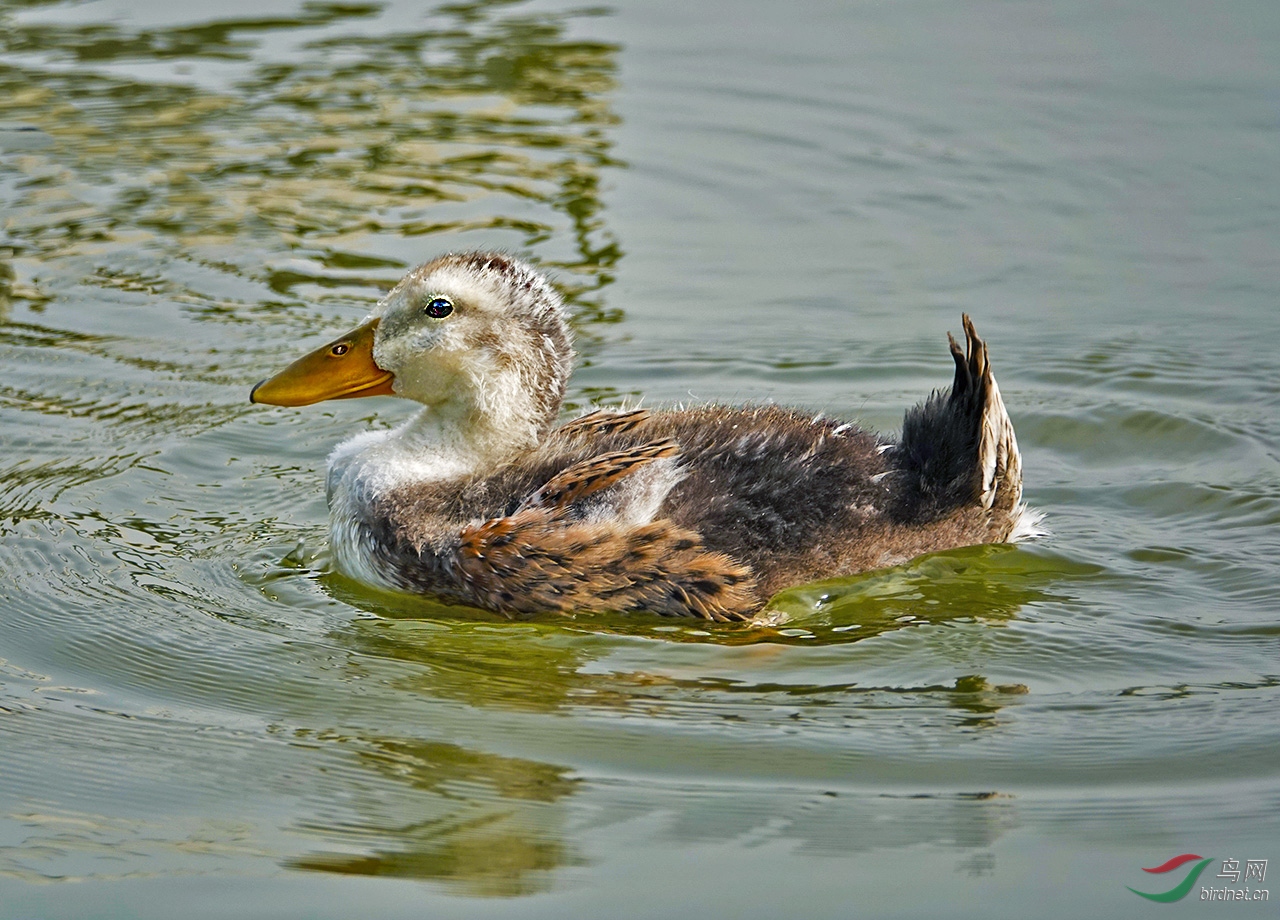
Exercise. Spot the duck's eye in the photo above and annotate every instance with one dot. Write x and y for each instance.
(340, 349)
(438, 308)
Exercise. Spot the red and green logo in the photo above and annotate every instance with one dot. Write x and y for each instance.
(1180, 890)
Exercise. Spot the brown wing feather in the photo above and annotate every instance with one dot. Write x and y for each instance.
(532, 561)
(603, 422)
(589, 476)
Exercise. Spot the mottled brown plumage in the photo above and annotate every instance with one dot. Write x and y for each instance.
(586, 477)
(704, 512)
(535, 559)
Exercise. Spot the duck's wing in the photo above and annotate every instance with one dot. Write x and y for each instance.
(532, 560)
(601, 422)
(586, 539)
(589, 477)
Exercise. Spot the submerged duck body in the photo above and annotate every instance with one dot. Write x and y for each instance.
(482, 499)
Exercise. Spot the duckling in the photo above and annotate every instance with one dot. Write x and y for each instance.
(482, 499)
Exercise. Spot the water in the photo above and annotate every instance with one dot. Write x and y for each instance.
(773, 202)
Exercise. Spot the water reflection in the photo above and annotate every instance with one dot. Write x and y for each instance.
(342, 149)
(486, 824)
(6, 285)
(483, 824)
(990, 583)
(553, 663)
(523, 667)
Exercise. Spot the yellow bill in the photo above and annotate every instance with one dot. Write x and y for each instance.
(343, 369)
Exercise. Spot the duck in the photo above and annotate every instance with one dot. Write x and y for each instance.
(486, 498)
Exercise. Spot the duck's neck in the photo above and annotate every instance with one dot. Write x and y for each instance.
(449, 440)
(462, 436)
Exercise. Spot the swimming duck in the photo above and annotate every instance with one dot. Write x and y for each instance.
(481, 498)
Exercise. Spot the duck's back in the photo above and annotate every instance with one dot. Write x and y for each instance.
(778, 490)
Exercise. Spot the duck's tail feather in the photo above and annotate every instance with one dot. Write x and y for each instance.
(958, 450)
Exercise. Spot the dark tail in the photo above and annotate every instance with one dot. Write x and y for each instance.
(958, 449)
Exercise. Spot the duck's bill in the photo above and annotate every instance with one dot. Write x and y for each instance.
(343, 369)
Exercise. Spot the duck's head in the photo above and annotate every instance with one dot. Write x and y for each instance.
(477, 333)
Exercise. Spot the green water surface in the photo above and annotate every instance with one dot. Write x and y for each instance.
(741, 201)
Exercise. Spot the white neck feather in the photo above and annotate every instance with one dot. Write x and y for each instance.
(462, 438)
(442, 441)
